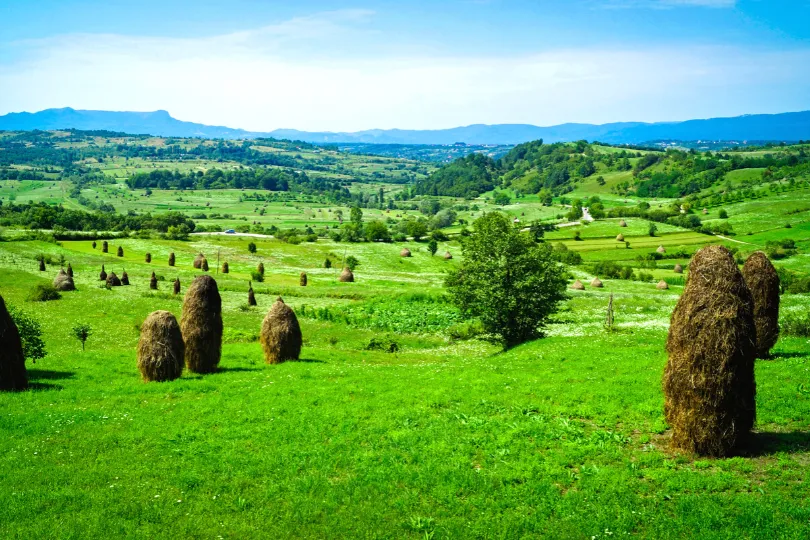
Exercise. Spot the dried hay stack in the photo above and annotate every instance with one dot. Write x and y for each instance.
(662, 285)
(251, 295)
(763, 282)
(201, 325)
(281, 334)
(42, 265)
(153, 282)
(176, 286)
(120, 251)
(620, 238)
(63, 282)
(171, 258)
(124, 278)
(13, 375)
(260, 268)
(622, 223)
(578, 286)
(204, 267)
(70, 270)
(302, 279)
(709, 378)
(105, 247)
(147, 258)
(661, 250)
(597, 283)
(113, 281)
(103, 275)
(678, 269)
(405, 252)
(447, 256)
(160, 348)
(225, 267)
(94, 244)
(346, 276)
(198, 260)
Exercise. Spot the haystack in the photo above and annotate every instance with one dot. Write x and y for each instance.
(13, 375)
(302, 279)
(620, 238)
(578, 286)
(120, 251)
(171, 258)
(346, 276)
(763, 282)
(405, 252)
(447, 256)
(327, 263)
(105, 247)
(63, 282)
(160, 348)
(661, 249)
(176, 286)
(124, 278)
(201, 324)
(597, 283)
(705, 211)
(709, 378)
(662, 285)
(204, 267)
(70, 270)
(113, 281)
(622, 223)
(94, 244)
(42, 265)
(153, 282)
(225, 267)
(198, 260)
(281, 334)
(147, 257)
(678, 269)
(251, 296)
(260, 268)
(103, 275)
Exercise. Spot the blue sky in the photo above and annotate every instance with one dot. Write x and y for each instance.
(342, 66)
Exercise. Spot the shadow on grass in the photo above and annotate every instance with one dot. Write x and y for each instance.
(37, 374)
(786, 355)
(768, 443)
(237, 369)
(308, 361)
(43, 386)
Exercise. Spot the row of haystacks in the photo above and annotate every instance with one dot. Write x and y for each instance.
(407, 253)
(597, 283)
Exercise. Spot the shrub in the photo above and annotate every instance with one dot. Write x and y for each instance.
(44, 292)
(81, 332)
(383, 344)
(13, 375)
(796, 325)
(352, 262)
(30, 334)
(257, 276)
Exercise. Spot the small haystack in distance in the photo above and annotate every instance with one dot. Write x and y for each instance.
(281, 334)
(705, 211)
(662, 285)
(171, 258)
(124, 278)
(225, 267)
(302, 279)
(153, 282)
(113, 281)
(578, 286)
(622, 223)
(346, 276)
(763, 282)
(103, 275)
(198, 260)
(447, 256)
(63, 282)
(327, 263)
(709, 382)
(204, 267)
(148, 257)
(620, 238)
(251, 295)
(94, 244)
(597, 283)
(405, 252)
(105, 247)
(161, 350)
(260, 268)
(70, 270)
(13, 375)
(120, 251)
(176, 286)
(42, 265)
(678, 269)
(201, 325)
(661, 249)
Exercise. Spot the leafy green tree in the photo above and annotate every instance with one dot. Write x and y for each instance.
(352, 262)
(653, 229)
(722, 214)
(432, 247)
(507, 280)
(377, 231)
(356, 215)
(251, 247)
(30, 334)
(82, 332)
(501, 198)
(414, 227)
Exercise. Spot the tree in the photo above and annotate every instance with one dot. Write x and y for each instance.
(652, 230)
(377, 231)
(506, 280)
(251, 247)
(352, 262)
(356, 215)
(30, 334)
(501, 198)
(722, 214)
(82, 332)
(432, 246)
(381, 198)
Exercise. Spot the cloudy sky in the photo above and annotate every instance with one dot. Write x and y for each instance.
(426, 64)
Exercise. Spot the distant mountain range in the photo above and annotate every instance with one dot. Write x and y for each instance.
(792, 126)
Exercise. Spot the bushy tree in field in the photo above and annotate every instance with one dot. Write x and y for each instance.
(507, 280)
(377, 231)
(30, 334)
(251, 247)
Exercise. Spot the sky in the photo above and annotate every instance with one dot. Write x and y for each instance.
(320, 65)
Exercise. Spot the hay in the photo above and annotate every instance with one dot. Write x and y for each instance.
(709, 382)
(171, 258)
(662, 285)
(153, 284)
(120, 251)
(405, 252)
(13, 375)
(198, 260)
(205, 265)
(160, 348)
(251, 296)
(327, 263)
(202, 325)
(103, 275)
(260, 268)
(597, 283)
(63, 282)
(620, 238)
(346, 276)
(94, 244)
(763, 282)
(105, 247)
(578, 286)
(281, 334)
(661, 249)
(147, 258)
(176, 286)
(124, 278)
(70, 270)
(678, 269)
(622, 223)
(447, 256)
(225, 267)
(42, 265)
(113, 281)
(302, 279)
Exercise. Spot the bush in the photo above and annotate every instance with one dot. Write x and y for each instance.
(352, 262)
(30, 334)
(383, 344)
(795, 325)
(257, 276)
(251, 247)
(44, 292)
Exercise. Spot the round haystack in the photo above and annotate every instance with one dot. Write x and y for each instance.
(171, 258)
(13, 375)
(260, 268)
(160, 348)
(103, 275)
(709, 384)
(225, 267)
(42, 265)
(147, 257)
(705, 211)
(153, 282)
(620, 238)
(124, 278)
(405, 252)
(346, 276)
(70, 270)
(63, 282)
(281, 334)
(302, 279)
(678, 269)
(763, 282)
(120, 251)
(105, 247)
(622, 223)
(578, 286)
(597, 283)
(204, 266)
(176, 286)
(447, 256)
(202, 325)
(198, 260)
(662, 285)
(94, 244)
(113, 281)
(661, 249)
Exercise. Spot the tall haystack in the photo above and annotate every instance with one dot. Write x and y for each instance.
(447, 256)
(662, 285)
(225, 267)
(42, 267)
(678, 269)
(13, 375)
(201, 324)
(260, 268)
(405, 252)
(171, 258)
(160, 348)
(597, 283)
(153, 282)
(578, 286)
(148, 257)
(622, 223)
(204, 266)
(102, 275)
(346, 276)
(176, 286)
(105, 247)
(661, 250)
(63, 282)
(94, 244)
(113, 280)
(709, 382)
(281, 334)
(69, 270)
(763, 282)
(120, 251)
(620, 238)
(251, 295)
(124, 278)
(198, 260)
(302, 279)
